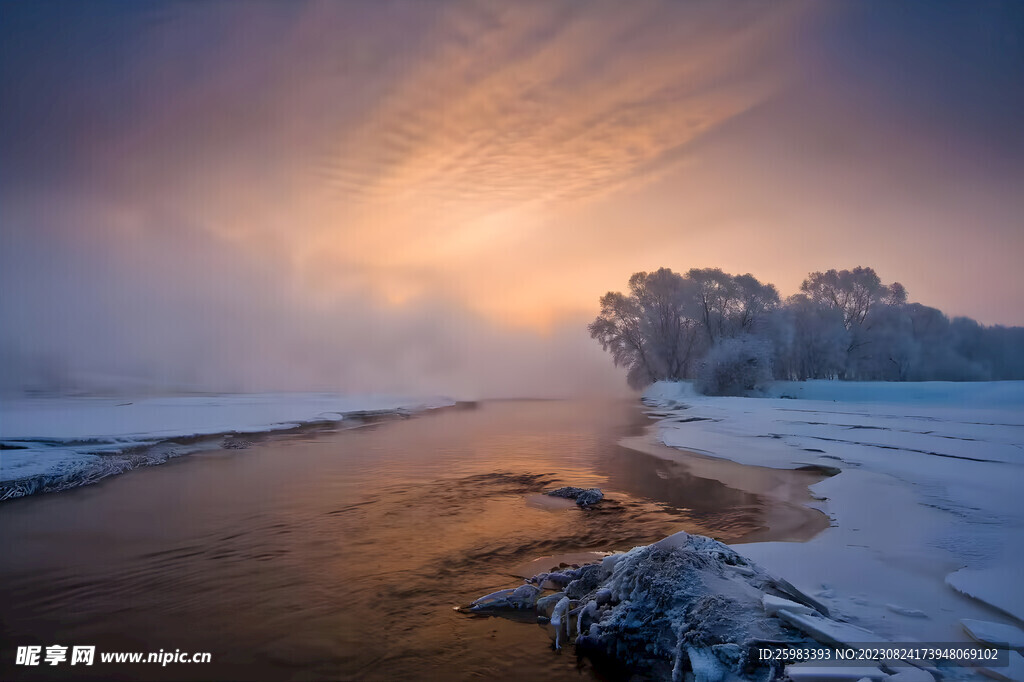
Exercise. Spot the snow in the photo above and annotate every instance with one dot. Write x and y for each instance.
(994, 633)
(64, 441)
(829, 631)
(939, 393)
(1014, 671)
(930, 485)
(180, 416)
(985, 585)
(773, 605)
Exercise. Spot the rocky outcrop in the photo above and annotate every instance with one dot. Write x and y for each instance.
(685, 605)
(585, 497)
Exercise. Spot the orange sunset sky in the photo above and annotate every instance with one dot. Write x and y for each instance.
(410, 195)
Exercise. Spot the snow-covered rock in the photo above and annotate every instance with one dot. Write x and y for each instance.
(522, 597)
(584, 497)
(677, 607)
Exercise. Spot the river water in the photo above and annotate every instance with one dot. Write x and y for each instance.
(342, 554)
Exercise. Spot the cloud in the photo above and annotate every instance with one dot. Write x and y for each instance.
(399, 192)
(519, 104)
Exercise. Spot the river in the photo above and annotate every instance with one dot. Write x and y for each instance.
(341, 554)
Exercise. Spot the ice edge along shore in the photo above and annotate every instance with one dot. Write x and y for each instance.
(926, 508)
(51, 444)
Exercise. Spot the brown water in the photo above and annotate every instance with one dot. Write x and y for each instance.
(340, 555)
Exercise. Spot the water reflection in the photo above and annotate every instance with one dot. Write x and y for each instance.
(341, 555)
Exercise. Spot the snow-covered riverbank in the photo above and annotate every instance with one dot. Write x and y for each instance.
(927, 507)
(58, 443)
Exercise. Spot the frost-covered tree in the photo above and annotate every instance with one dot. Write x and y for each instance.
(716, 295)
(819, 339)
(886, 348)
(1002, 350)
(666, 299)
(844, 324)
(728, 305)
(853, 292)
(619, 329)
(937, 357)
(735, 366)
(756, 302)
(650, 331)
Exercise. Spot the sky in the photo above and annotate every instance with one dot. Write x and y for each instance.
(413, 196)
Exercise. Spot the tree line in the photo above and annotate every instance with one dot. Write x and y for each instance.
(733, 332)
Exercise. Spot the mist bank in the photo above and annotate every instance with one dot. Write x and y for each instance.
(116, 312)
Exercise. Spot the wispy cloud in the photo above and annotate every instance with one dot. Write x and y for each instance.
(517, 104)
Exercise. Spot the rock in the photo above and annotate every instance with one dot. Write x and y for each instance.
(669, 605)
(586, 582)
(584, 497)
(608, 563)
(589, 497)
(569, 492)
(553, 581)
(678, 609)
(988, 632)
(522, 597)
(729, 654)
(705, 665)
(546, 604)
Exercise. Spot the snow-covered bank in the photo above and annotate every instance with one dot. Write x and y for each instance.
(929, 498)
(58, 443)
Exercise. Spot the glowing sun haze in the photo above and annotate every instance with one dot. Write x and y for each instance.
(417, 195)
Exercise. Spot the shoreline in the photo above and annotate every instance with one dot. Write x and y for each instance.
(97, 438)
(791, 515)
(921, 544)
(903, 521)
